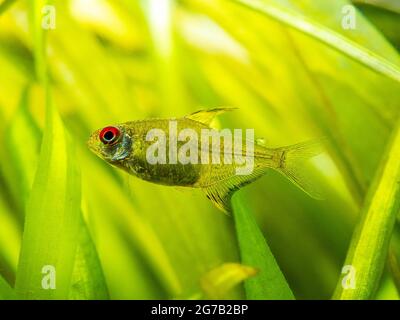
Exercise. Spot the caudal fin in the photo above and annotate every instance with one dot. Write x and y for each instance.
(290, 162)
(293, 162)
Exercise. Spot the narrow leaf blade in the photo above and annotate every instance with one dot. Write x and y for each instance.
(270, 283)
(88, 280)
(6, 292)
(370, 243)
(321, 33)
(52, 217)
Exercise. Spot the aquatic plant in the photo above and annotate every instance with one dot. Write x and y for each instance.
(295, 70)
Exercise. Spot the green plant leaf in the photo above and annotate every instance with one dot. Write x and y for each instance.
(52, 216)
(394, 256)
(391, 5)
(270, 283)
(88, 281)
(10, 240)
(156, 242)
(369, 246)
(5, 5)
(6, 292)
(385, 19)
(123, 222)
(325, 35)
(21, 162)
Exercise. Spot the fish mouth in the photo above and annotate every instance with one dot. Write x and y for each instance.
(93, 143)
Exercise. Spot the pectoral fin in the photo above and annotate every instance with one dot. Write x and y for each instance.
(206, 116)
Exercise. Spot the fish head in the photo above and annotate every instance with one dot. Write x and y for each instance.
(112, 143)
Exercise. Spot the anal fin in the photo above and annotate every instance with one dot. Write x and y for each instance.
(220, 197)
(220, 192)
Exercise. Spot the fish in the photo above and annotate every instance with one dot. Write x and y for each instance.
(155, 150)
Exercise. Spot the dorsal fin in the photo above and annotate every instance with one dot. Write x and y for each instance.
(206, 116)
(260, 142)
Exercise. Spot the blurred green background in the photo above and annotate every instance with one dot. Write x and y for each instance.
(113, 61)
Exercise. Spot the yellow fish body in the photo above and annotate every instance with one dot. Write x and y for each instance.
(182, 152)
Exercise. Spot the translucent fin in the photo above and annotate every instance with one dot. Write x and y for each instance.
(293, 162)
(220, 192)
(260, 142)
(206, 116)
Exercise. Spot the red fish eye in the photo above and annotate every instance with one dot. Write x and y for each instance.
(109, 135)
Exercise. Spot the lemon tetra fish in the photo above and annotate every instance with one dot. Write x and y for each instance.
(187, 152)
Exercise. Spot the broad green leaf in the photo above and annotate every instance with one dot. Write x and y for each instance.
(52, 216)
(369, 246)
(270, 283)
